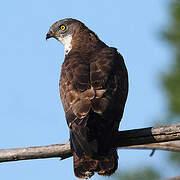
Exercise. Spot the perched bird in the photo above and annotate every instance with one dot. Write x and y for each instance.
(93, 89)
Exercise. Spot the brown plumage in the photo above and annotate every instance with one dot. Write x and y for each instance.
(93, 90)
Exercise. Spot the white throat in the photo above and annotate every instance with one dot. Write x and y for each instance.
(66, 41)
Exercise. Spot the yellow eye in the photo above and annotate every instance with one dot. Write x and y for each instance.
(63, 27)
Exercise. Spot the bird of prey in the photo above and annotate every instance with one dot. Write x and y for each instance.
(93, 89)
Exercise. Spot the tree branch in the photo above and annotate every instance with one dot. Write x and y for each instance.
(168, 146)
(146, 138)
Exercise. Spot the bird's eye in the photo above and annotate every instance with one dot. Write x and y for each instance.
(63, 27)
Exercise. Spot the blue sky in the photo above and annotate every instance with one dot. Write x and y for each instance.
(30, 109)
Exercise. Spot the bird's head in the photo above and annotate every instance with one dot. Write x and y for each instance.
(63, 30)
(73, 34)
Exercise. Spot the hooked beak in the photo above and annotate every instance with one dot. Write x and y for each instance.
(50, 34)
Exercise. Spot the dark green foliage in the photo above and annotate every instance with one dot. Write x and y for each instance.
(146, 173)
(175, 158)
(171, 80)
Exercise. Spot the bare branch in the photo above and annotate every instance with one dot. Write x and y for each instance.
(146, 138)
(168, 146)
(38, 152)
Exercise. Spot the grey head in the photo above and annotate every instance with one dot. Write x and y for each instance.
(63, 31)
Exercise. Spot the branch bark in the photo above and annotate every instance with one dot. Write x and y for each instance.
(146, 138)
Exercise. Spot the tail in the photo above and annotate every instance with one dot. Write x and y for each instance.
(85, 167)
(109, 163)
(86, 155)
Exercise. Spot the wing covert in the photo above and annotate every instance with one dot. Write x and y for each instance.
(96, 84)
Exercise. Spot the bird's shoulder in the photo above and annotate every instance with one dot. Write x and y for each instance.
(84, 70)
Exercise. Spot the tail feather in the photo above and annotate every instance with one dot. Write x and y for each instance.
(108, 164)
(79, 141)
(75, 146)
(85, 167)
(92, 151)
